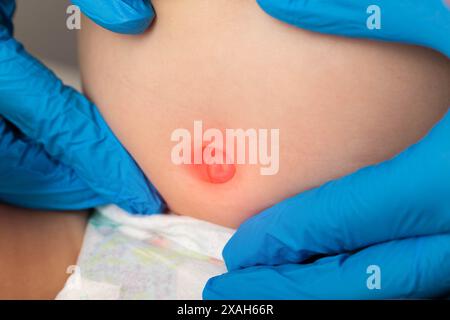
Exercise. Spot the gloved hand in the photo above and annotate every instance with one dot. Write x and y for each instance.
(419, 22)
(56, 151)
(388, 222)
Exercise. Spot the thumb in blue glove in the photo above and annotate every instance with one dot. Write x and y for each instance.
(122, 16)
(417, 22)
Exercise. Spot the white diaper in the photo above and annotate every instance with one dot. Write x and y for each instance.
(153, 257)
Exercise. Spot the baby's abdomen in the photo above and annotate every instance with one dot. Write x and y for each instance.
(338, 104)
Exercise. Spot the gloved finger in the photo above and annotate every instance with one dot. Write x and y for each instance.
(70, 129)
(410, 268)
(431, 19)
(7, 9)
(30, 178)
(122, 16)
(404, 197)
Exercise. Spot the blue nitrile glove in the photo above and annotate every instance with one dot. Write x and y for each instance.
(419, 22)
(122, 16)
(56, 151)
(389, 222)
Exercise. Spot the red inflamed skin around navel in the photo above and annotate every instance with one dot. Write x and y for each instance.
(215, 172)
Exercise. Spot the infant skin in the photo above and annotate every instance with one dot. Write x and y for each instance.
(338, 104)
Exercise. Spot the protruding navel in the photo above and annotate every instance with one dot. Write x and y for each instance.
(220, 172)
